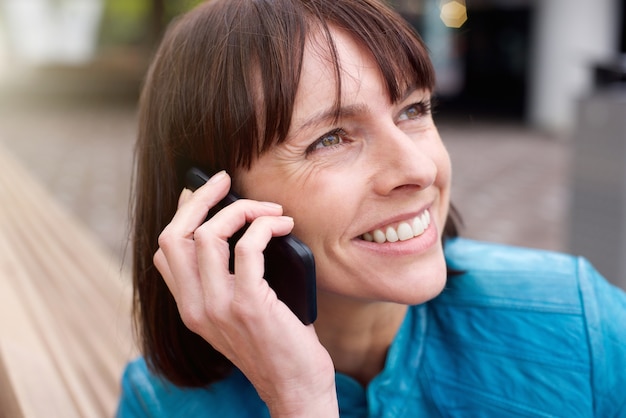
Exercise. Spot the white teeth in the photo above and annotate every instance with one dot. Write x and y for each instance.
(418, 226)
(379, 236)
(403, 232)
(391, 234)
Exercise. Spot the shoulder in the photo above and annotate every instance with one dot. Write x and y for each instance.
(527, 321)
(146, 394)
(527, 278)
(470, 255)
(514, 276)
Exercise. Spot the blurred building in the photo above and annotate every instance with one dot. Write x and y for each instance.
(43, 32)
(527, 60)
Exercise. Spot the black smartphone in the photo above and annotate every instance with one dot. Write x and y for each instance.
(289, 263)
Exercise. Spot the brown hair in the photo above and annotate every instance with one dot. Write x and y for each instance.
(198, 106)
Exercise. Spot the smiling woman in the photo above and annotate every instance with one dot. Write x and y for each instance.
(318, 112)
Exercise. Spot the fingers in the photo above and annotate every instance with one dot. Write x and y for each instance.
(247, 287)
(176, 242)
(193, 207)
(193, 257)
(213, 251)
(238, 314)
(162, 265)
(249, 259)
(176, 257)
(184, 197)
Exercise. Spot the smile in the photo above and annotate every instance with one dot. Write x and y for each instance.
(403, 232)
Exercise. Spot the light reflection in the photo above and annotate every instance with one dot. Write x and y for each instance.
(453, 13)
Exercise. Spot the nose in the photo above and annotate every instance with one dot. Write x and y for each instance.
(402, 161)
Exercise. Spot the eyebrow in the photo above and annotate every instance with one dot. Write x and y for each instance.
(333, 115)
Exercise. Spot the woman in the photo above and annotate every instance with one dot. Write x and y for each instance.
(318, 113)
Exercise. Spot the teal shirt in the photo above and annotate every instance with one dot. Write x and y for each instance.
(518, 333)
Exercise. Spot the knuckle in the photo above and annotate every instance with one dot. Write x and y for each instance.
(165, 237)
(243, 247)
(157, 258)
(201, 236)
(200, 317)
(206, 240)
(192, 317)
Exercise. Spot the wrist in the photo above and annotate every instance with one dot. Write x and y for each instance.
(309, 406)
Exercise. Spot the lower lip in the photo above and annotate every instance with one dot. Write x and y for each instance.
(411, 246)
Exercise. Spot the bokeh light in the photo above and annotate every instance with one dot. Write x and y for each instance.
(453, 13)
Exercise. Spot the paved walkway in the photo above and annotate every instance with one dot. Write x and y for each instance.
(510, 183)
(83, 154)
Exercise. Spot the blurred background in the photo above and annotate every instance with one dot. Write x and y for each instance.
(531, 104)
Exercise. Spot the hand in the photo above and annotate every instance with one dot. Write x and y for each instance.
(239, 314)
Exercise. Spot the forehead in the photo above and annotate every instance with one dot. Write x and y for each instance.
(329, 77)
(344, 53)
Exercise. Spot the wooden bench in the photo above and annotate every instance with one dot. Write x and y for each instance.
(65, 332)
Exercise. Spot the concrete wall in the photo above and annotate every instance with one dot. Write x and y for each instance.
(598, 206)
(569, 37)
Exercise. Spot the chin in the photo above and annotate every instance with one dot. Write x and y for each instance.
(413, 281)
(422, 291)
(420, 284)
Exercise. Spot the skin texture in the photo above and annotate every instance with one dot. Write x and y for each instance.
(386, 165)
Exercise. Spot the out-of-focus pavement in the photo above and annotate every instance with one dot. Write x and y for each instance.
(83, 154)
(511, 184)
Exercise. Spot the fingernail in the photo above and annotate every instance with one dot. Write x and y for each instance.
(184, 195)
(287, 218)
(271, 205)
(217, 177)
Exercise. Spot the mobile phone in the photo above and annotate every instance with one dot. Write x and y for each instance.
(289, 263)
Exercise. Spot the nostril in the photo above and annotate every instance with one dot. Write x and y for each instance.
(408, 187)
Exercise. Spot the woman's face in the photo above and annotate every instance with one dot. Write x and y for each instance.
(351, 185)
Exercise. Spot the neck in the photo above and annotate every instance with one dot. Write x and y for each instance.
(357, 334)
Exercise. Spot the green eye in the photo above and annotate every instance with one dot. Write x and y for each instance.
(330, 139)
(415, 111)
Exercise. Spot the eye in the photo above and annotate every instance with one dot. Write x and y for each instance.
(415, 111)
(331, 139)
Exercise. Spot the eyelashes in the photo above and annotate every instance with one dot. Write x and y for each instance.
(333, 138)
(416, 110)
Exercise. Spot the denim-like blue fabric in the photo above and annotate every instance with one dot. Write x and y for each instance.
(519, 333)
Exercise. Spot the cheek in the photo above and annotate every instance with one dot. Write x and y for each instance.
(316, 199)
(321, 212)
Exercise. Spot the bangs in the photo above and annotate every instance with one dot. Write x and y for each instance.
(233, 67)
(395, 46)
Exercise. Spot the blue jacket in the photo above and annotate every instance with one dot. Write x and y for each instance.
(519, 333)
